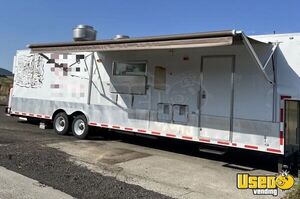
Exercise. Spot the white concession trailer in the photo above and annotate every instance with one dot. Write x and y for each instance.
(219, 88)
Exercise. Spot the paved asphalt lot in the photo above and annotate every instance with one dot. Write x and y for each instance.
(114, 165)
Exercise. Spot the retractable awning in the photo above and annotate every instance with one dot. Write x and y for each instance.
(194, 40)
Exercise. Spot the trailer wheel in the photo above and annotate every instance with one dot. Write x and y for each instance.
(61, 123)
(80, 127)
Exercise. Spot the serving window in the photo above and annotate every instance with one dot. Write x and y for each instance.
(129, 69)
(129, 78)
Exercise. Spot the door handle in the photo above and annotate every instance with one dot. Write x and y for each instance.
(203, 94)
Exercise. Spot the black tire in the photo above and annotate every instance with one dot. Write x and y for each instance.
(61, 123)
(80, 127)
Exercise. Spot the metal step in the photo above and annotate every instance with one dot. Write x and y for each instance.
(212, 151)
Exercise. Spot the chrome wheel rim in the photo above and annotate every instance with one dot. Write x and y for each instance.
(79, 127)
(60, 123)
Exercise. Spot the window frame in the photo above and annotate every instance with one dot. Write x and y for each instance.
(114, 63)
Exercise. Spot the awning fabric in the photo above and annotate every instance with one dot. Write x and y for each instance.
(175, 44)
(194, 40)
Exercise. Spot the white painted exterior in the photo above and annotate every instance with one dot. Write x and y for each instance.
(255, 107)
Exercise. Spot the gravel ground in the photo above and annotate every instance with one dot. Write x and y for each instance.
(51, 167)
(23, 150)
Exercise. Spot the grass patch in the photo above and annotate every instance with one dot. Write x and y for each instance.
(5, 83)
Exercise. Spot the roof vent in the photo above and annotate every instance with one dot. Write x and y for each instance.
(117, 37)
(84, 33)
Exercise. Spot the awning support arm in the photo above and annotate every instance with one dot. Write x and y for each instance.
(261, 66)
(272, 53)
(91, 78)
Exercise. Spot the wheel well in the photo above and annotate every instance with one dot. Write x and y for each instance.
(56, 112)
(76, 113)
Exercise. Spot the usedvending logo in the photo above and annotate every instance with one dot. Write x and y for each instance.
(265, 184)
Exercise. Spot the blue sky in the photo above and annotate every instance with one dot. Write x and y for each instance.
(35, 21)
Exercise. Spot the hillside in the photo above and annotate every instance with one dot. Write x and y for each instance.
(4, 72)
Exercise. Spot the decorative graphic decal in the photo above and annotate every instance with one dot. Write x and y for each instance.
(66, 69)
(30, 71)
(66, 73)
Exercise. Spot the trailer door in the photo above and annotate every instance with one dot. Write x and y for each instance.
(216, 97)
(292, 124)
